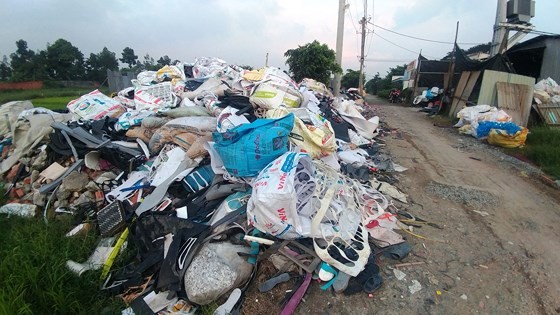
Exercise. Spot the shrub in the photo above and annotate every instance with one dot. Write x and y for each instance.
(384, 93)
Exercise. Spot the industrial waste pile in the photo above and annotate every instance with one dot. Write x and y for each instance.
(205, 170)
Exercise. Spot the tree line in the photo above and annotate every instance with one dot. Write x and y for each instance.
(64, 61)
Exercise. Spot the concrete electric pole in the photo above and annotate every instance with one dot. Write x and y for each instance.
(512, 15)
(339, 44)
(499, 31)
(363, 22)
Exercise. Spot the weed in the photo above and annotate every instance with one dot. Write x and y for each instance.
(57, 102)
(33, 274)
(543, 148)
(71, 93)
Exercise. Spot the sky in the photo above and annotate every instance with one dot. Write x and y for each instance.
(244, 31)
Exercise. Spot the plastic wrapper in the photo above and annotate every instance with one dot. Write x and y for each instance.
(94, 106)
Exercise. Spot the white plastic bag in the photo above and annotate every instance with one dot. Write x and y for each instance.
(145, 78)
(229, 119)
(94, 105)
(280, 196)
(270, 95)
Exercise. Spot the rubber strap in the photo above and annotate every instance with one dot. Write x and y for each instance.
(290, 308)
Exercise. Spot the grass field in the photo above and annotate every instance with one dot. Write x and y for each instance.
(55, 102)
(543, 148)
(33, 275)
(53, 98)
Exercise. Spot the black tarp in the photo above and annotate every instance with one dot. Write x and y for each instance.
(496, 63)
(434, 66)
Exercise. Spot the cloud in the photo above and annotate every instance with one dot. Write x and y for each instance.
(243, 31)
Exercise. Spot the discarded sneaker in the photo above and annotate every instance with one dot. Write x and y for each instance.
(398, 251)
(341, 282)
(368, 280)
(96, 260)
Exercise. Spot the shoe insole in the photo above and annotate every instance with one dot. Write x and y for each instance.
(272, 282)
(226, 308)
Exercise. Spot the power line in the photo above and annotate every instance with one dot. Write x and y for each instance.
(424, 39)
(370, 41)
(386, 60)
(543, 33)
(412, 51)
(352, 18)
(354, 25)
(371, 32)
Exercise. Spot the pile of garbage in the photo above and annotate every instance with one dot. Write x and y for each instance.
(206, 170)
(492, 124)
(547, 92)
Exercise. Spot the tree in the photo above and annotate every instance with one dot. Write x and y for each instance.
(164, 61)
(21, 62)
(5, 69)
(129, 57)
(351, 79)
(246, 67)
(64, 61)
(485, 48)
(149, 63)
(479, 48)
(378, 84)
(312, 60)
(98, 64)
(372, 86)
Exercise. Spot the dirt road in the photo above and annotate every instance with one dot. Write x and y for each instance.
(505, 262)
(499, 249)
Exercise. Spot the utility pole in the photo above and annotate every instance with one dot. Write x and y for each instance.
(363, 22)
(452, 64)
(500, 32)
(266, 61)
(339, 44)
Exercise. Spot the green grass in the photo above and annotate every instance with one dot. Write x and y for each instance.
(543, 148)
(52, 98)
(33, 274)
(56, 102)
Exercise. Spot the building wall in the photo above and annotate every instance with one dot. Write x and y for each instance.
(551, 60)
(29, 85)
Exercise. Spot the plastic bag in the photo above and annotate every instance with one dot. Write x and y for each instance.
(145, 100)
(348, 110)
(132, 118)
(155, 97)
(546, 85)
(280, 193)
(144, 78)
(196, 125)
(270, 95)
(212, 67)
(247, 149)
(95, 105)
(501, 138)
(170, 72)
(229, 119)
(339, 237)
(484, 127)
(315, 86)
(316, 138)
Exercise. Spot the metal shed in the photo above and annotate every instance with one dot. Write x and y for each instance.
(538, 57)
